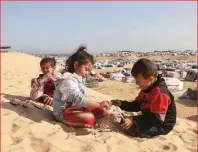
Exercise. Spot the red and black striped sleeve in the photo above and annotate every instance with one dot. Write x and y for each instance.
(133, 106)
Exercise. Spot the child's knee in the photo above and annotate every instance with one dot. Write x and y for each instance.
(79, 118)
(89, 119)
(98, 111)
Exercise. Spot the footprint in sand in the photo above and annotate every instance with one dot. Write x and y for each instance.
(167, 146)
(16, 140)
(11, 86)
(109, 149)
(15, 127)
(188, 138)
(192, 150)
(88, 148)
(20, 82)
(39, 145)
(102, 137)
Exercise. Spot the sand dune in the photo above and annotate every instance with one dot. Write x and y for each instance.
(34, 130)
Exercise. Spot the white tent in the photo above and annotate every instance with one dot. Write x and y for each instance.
(117, 76)
(174, 84)
(173, 74)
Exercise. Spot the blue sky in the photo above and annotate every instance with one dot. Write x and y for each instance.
(49, 27)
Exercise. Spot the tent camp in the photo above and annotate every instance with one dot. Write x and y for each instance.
(117, 76)
(191, 75)
(174, 84)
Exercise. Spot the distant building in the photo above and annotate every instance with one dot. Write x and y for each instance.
(125, 53)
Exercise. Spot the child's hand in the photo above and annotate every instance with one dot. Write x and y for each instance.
(105, 104)
(116, 102)
(128, 122)
(43, 79)
(51, 77)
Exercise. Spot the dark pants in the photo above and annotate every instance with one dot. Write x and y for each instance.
(142, 131)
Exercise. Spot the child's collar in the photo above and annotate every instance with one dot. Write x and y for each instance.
(151, 86)
(77, 76)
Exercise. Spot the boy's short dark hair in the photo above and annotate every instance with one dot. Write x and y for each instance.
(52, 61)
(145, 67)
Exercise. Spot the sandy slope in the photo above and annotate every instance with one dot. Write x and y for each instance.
(34, 130)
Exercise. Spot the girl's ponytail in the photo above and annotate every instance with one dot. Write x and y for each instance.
(81, 56)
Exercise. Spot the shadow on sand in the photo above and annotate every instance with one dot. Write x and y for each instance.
(192, 118)
(38, 115)
(187, 102)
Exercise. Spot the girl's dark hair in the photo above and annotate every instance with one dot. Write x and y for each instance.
(81, 56)
(45, 60)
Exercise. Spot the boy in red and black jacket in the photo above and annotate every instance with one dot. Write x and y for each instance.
(155, 102)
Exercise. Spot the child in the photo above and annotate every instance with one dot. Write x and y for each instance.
(43, 86)
(71, 104)
(155, 102)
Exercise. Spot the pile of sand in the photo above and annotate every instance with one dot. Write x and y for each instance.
(34, 130)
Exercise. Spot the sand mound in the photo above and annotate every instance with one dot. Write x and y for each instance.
(34, 130)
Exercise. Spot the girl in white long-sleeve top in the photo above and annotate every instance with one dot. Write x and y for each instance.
(71, 104)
